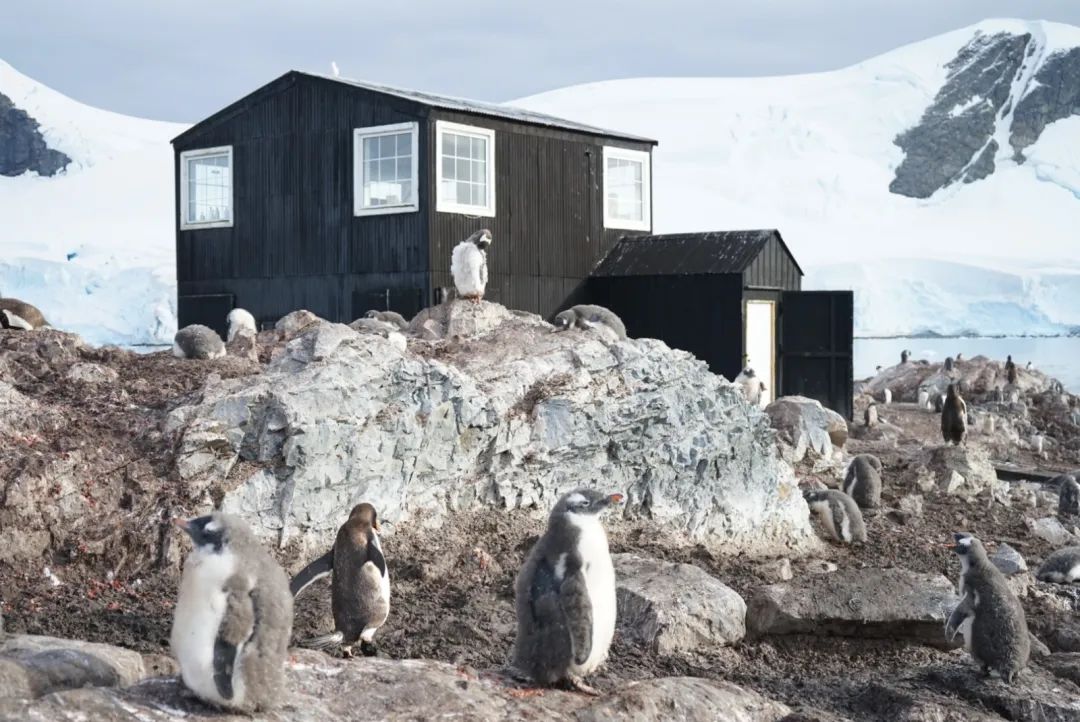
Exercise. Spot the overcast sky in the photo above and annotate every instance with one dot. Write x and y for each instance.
(181, 61)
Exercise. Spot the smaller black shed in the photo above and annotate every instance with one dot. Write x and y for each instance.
(734, 299)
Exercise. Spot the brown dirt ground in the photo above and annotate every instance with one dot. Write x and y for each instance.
(453, 587)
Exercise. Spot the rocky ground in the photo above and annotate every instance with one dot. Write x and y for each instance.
(89, 560)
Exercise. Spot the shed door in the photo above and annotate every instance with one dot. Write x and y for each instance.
(816, 347)
(760, 344)
(210, 309)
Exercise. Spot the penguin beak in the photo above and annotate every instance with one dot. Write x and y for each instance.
(615, 499)
(182, 524)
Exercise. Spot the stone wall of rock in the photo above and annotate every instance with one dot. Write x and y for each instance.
(22, 148)
(497, 409)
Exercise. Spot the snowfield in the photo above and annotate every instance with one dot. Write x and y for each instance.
(812, 155)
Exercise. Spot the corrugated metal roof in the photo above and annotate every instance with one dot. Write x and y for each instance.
(686, 254)
(477, 107)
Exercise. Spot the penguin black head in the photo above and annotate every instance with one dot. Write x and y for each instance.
(481, 239)
(748, 372)
(209, 533)
(371, 314)
(585, 502)
(967, 546)
(812, 495)
(365, 514)
(952, 391)
(565, 319)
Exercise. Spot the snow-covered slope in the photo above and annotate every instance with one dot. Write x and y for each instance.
(93, 245)
(815, 155)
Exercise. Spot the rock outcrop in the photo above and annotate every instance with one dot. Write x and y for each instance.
(871, 603)
(505, 413)
(805, 427)
(22, 147)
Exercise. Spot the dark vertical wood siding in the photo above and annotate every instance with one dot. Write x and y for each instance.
(295, 242)
(773, 268)
(548, 230)
(699, 314)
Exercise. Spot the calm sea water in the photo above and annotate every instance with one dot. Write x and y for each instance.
(1057, 357)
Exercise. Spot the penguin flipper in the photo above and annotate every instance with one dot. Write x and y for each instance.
(577, 611)
(237, 627)
(312, 573)
(959, 615)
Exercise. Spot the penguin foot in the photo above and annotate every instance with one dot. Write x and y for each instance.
(368, 649)
(577, 684)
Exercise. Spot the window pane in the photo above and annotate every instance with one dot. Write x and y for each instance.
(404, 168)
(449, 144)
(478, 195)
(404, 144)
(406, 191)
(386, 169)
(478, 171)
(448, 168)
(479, 148)
(371, 148)
(448, 190)
(463, 193)
(464, 172)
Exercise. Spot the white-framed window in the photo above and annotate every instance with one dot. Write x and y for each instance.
(385, 169)
(465, 158)
(206, 187)
(626, 189)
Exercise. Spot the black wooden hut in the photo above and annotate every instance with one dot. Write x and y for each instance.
(341, 196)
(734, 299)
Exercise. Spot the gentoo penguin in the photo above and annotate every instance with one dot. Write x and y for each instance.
(1061, 567)
(989, 614)
(751, 387)
(999, 394)
(16, 314)
(904, 356)
(587, 315)
(870, 415)
(240, 321)
(233, 616)
(197, 341)
(360, 588)
(1010, 370)
(959, 357)
(862, 482)
(1068, 495)
(391, 317)
(886, 396)
(948, 363)
(924, 398)
(839, 514)
(1027, 366)
(468, 265)
(953, 417)
(565, 594)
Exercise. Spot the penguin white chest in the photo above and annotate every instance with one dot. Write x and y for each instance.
(468, 265)
(600, 583)
(200, 608)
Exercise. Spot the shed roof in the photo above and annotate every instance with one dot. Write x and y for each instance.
(688, 254)
(447, 102)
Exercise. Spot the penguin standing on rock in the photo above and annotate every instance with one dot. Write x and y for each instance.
(862, 482)
(240, 322)
(1061, 567)
(904, 356)
(468, 265)
(948, 363)
(360, 589)
(1010, 370)
(233, 617)
(565, 594)
(198, 342)
(989, 614)
(839, 514)
(586, 315)
(751, 387)
(1068, 495)
(953, 417)
(870, 415)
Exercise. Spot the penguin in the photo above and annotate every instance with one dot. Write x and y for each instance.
(924, 398)
(999, 394)
(886, 396)
(1010, 370)
(877, 369)
(862, 481)
(360, 587)
(904, 356)
(1061, 567)
(989, 614)
(1027, 366)
(870, 415)
(390, 317)
(233, 617)
(197, 341)
(959, 357)
(948, 363)
(1068, 495)
(750, 386)
(468, 265)
(240, 322)
(939, 403)
(565, 594)
(953, 417)
(16, 314)
(589, 316)
(988, 424)
(839, 514)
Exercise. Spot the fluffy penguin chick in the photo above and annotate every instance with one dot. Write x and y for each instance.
(240, 321)
(1068, 495)
(1061, 567)
(233, 617)
(587, 315)
(750, 386)
(197, 341)
(870, 415)
(838, 513)
(18, 314)
(468, 265)
(390, 317)
(989, 614)
(953, 416)
(862, 482)
(565, 594)
(360, 588)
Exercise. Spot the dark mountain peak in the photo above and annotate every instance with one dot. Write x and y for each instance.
(22, 147)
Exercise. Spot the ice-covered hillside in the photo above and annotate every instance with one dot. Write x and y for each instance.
(989, 175)
(92, 246)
